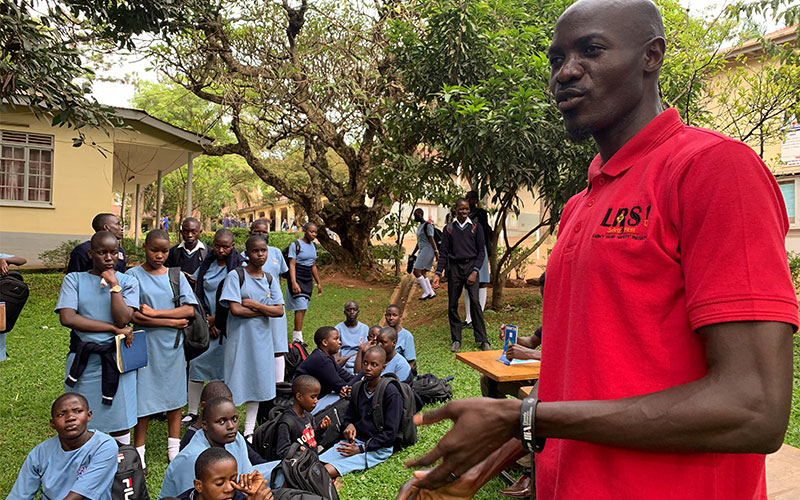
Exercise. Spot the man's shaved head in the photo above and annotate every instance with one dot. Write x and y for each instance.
(642, 17)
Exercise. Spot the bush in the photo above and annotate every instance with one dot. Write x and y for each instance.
(59, 256)
(134, 253)
(794, 267)
(388, 251)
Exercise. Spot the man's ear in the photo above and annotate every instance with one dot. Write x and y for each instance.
(198, 485)
(654, 55)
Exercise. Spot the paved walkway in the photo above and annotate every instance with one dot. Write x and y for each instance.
(783, 474)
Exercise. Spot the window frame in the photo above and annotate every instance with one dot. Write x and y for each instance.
(793, 221)
(29, 146)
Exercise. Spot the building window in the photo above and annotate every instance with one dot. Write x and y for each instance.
(787, 190)
(26, 167)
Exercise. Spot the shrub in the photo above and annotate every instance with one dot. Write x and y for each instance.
(134, 253)
(59, 256)
(794, 267)
(388, 252)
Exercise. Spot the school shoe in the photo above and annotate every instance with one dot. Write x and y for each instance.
(456, 346)
(485, 346)
(520, 489)
(466, 325)
(188, 420)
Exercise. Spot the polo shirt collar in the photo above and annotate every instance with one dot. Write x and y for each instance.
(197, 247)
(661, 128)
(466, 222)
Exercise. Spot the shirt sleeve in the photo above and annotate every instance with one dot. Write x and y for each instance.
(28, 480)
(409, 350)
(68, 296)
(130, 290)
(275, 294)
(293, 250)
(99, 473)
(429, 229)
(283, 439)
(731, 224)
(187, 295)
(231, 291)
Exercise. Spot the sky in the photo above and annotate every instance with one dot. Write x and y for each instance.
(119, 94)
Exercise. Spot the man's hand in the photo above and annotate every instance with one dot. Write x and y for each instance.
(516, 351)
(349, 432)
(472, 277)
(348, 448)
(464, 487)
(497, 420)
(435, 282)
(325, 422)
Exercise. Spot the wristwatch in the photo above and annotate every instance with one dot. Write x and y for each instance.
(115, 289)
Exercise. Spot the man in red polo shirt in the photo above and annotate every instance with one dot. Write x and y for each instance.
(667, 370)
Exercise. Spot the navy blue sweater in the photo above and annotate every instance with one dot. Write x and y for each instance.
(461, 244)
(359, 413)
(324, 368)
(79, 260)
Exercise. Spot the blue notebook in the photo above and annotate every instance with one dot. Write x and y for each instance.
(133, 357)
(511, 338)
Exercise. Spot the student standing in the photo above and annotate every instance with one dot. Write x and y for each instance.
(209, 366)
(189, 253)
(481, 217)
(79, 260)
(352, 333)
(76, 463)
(98, 305)
(5, 260)
(275, 265)
(161, 385)
(249, 354)
(462, 254)
(427, 252)
(302, 274)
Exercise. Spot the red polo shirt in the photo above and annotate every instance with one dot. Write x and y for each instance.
(681, 228)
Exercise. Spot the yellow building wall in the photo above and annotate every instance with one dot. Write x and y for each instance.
(81, 188)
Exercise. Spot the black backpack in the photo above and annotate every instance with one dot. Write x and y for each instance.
(333, 433)
(221, 319)
(266, 435)
(303, 471)
(195, 336)
(293, 494)
(407, 432)
(297, 354)
(283, 398)
(437, 236)
(285, 253)
(432, 389)
(14, 292)
(129, 483)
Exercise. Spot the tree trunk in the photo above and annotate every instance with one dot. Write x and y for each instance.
(499, 278)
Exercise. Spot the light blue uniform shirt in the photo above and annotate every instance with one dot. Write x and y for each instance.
(351, 337)
(88, 471)
(405, 345)
(399, 366)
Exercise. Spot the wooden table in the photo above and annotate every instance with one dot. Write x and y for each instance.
(487, 363)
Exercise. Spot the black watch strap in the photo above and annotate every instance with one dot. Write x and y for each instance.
(527, 425)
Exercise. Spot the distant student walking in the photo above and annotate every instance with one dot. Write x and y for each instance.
(462, 253)
(98, 305)
(249, 354)
(302, 274)
(161, 385)
(427, 252)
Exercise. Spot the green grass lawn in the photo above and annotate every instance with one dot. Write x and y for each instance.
(32, 377)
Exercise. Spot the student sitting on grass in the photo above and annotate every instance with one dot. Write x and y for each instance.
(75, 464)
(220, 420)
(364, 446)
(352, 334)
(297, 423)
(334, 380)
(210, 391)
(405, 341)
(395, 363)
(215, 478)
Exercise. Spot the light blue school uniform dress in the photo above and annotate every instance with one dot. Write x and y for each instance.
(209, 366)
(276, 265)
(405, 345)
(425, 254)
(351, 338)
(87, 471)
(3, 354)
(82, 292)
(161, 385)
(249, 351)
(399, 366)
(179, 476)
(306, 257)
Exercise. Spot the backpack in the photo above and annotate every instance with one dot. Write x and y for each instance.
(333, 433)
(407, 432)
(266, 435)
(129, 483)
(195, 336)
(437, 236)
(14, 292)
(285, 253)
(283, 398)
(432, 389)
(293, 494)
(303, 471)
(297, 354)
(221, 319)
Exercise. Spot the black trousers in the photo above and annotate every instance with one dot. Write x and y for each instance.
(457, 274)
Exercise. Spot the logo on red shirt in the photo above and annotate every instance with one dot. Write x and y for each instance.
(625, 223)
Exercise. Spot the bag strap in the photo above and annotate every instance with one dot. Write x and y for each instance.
(240, 273)
(175, 283)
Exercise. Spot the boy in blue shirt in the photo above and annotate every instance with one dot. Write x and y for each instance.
(217, 478)
(395, 363)
(75, 464)
(352, 333)
(405, 341)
